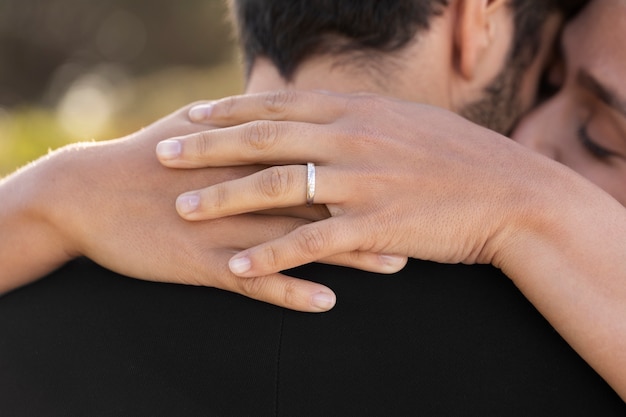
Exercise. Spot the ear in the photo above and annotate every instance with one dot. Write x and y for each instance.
(475, 30)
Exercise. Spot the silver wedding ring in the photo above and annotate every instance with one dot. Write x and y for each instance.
(310, 183)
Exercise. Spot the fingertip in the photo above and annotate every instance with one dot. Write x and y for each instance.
(392, 263)
(187, 204)
(240, 265)
(323, 301)
(201, 112)
(169, 149)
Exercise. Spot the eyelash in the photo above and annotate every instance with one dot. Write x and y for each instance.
(596, 150)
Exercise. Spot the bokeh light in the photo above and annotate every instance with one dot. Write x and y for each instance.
(74, 70)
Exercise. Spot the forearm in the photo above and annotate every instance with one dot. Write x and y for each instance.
(29, 245)
(572, 267)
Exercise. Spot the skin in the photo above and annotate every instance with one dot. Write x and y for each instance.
(455, 82)
(111, 201)
(444, 197)
(63, 217)
(584, 124)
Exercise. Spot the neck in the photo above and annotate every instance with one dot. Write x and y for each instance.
(318, 73)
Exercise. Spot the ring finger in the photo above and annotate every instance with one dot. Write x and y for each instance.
(274, 187)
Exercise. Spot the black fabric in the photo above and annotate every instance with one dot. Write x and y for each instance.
(433, 340)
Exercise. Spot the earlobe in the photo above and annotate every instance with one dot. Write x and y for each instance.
(475, 30)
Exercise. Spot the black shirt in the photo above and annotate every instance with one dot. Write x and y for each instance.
(433, 340)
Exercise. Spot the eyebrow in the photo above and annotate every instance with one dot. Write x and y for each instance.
(604, 93)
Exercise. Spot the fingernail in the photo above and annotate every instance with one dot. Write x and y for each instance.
(239, 265)
(393, 261)
(187, 203)
(169, 149)
(201, 112)
(323, 301)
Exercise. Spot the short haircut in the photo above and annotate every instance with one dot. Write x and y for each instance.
(290, 31)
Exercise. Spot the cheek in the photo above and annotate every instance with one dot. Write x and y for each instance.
(552, 131)
(612, 179)
(549, 129)
(533, 132)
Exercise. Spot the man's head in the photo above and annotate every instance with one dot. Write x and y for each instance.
(290, 31)
(371, 33)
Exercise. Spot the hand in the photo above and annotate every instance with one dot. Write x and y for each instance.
(414, 180)
(398, 178)
(113, 202)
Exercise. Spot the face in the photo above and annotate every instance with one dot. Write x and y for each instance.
(584, 124)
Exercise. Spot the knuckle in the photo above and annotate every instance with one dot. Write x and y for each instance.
(252, 287)
(310, 241)
(261, 135)
(354, 258)
(369, 136)
(270, 258)
(295, 224)
(358, 140)
(203, 144)
(279, 101)
(218, 200)
(275, 182)
(225, 107)
(290, 293)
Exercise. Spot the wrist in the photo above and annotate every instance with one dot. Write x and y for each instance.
(31, 245)
(57, 201)
(542, 214)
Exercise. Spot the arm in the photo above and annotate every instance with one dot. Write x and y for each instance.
(29, 246)
(417, 181)
(112, 201)
(572, 266)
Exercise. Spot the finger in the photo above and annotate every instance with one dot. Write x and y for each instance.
(306, 244)
(274, 187)
(208, 266)
(367, 261)
(263, 228)
(311, 107)
(281, 290)
(262, 141)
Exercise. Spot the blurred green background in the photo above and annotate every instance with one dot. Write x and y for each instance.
(73, 70)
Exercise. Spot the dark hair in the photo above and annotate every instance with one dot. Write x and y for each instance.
(289, 31)
(529, 17)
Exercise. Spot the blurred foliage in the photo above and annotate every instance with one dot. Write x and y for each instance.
(80, 70)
